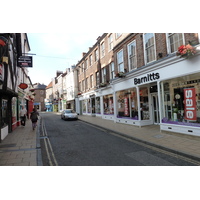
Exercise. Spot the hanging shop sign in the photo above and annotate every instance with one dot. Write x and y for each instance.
(23, 86)
(147, 78)
(190, 104)
(25, 61)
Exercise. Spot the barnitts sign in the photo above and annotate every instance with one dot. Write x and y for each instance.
(25, 61)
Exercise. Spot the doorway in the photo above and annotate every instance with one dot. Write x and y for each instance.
(155, 108)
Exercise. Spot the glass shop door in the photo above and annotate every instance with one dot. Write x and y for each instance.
(155, 108)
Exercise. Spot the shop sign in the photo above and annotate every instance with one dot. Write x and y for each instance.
(190, 104)
(147, 78)
(25, 61)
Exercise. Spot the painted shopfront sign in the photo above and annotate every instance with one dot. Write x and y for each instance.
(147, 78)
(190, 104)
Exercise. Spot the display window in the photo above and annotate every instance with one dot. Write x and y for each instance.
(4, 118)
(144, 103)
(108, 105)
(14, 109)
(84, 103)
(127, 106)
(181, 100)
(88, 105)
(98, 106)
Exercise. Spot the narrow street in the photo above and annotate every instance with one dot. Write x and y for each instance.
(76, 143)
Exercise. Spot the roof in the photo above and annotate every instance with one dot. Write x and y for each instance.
(39, 86)
(50, 85)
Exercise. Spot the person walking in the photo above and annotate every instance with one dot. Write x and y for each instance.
(23, 113)
(34, 118)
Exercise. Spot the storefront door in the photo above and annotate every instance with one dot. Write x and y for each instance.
(155, 108)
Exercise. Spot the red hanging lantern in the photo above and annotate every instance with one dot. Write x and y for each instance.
(3, 41)
(23, 86)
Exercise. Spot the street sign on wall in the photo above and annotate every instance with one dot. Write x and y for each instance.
(25, 61)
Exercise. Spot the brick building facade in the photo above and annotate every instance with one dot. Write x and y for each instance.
(138, 79)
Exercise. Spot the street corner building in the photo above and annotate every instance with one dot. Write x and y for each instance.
(143, 79)
(15, 84)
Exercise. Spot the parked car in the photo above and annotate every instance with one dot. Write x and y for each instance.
(69, 114)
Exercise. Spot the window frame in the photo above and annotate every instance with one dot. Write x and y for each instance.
(117, 35)
(169, 44)
(134, 56)
(102, 49)
(97, 78)
(145, 49)
(103, 75)
(112, 70)
(90, 59)
(92, 81)
(110, 41)
(121, 63)
(96, 53)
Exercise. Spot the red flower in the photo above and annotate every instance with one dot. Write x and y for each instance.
(186, 51)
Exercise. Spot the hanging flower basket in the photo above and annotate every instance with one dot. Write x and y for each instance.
(186, 51)
(102, 84)
(120, 74)
(23, 86)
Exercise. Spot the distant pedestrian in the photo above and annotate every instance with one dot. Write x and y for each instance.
(34, 118)
(23, 113)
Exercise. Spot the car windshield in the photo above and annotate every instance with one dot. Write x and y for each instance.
(69, 111)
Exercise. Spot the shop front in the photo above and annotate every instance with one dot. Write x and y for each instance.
(166, 94)
(180, 100)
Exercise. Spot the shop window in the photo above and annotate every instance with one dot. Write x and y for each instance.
(181, 101)
(127, 105)
(14, 109)
(144, 104)
(98, 106)
(108, 105)
(84, 103)
(4, 118)
(89, 105)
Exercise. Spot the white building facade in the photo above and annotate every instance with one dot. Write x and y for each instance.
(164, 91)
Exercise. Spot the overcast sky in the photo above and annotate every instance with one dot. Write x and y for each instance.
(56, 51)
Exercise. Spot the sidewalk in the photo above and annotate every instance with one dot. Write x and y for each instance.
(177, 143)
(19, 147)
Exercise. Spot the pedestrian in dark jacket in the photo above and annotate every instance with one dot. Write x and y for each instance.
(34, 118)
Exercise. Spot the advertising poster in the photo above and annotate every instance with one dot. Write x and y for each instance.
(190, 104)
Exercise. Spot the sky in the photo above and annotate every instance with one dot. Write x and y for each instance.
(56, 51)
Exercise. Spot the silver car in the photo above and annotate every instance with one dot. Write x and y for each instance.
(69, 114)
